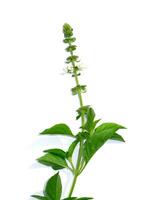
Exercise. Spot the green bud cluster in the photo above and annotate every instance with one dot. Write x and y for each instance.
(78, 88)
(67, 30)
(71, 48)
(72, 59)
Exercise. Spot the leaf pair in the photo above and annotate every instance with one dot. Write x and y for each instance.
(56, 158)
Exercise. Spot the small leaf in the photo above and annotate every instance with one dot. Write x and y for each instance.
(72, 148)
(95, 123)
(53, 188)
(98, 139)
(89, 125)
(58, 129)
(39, 197)
(57, 152)
(117, 137)
(55, 161)
(83, 109)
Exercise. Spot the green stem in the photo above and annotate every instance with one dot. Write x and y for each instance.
(73, 185)
(77, 83)
(77, 169)
(76, 174)
(72, 165)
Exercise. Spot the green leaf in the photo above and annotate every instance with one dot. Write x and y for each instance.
(98, 139)
(58, 129)
(117, 137)
(90, 120)
(53, 188)
(95, 123)
(57, 152)
(55, 161)
(109, 126)
(72, 148)
(39, 197)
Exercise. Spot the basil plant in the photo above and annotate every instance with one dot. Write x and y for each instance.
(91, 136)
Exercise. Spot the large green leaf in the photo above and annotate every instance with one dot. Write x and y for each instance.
(53, 188)
(117, 137)
(98, 139)
(57, 152)
(109, 126)
(39, 197)
(55, 161)
(58, 129)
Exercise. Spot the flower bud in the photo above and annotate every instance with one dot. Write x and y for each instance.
(67, 30)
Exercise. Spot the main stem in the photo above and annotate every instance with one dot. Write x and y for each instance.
(82, 124)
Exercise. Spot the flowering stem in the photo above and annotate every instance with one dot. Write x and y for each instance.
(78, 89)
(76, 174)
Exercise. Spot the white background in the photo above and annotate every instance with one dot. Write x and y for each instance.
(114, 47)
